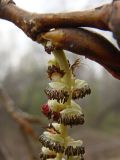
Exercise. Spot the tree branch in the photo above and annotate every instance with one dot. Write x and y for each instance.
(114, 22)
(79, 41)
(33, 24)
(24, 120)
(94, 47)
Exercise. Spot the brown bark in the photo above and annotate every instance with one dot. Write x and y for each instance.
(33, 24)
(89, 44)
(114, 22)
(83, 42)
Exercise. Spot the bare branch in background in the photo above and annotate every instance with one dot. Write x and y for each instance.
(23, 119)
(89, 44)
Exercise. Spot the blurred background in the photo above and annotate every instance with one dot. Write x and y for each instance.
(23, 65)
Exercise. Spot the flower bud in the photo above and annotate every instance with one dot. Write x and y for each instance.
(74, 148)
(55, 106)
(80, 89)
(58, 85)
(47, 111)
(71, 116)
(52, 141)
(55, 73)
(47, 154)
(56, 127)
(60, 95)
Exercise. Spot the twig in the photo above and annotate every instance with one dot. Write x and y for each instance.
(100, 50)
(22, 118)
(29, 146)
(33, 24)
(89, 44)
(114, 21)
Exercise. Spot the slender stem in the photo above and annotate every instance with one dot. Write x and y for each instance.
(59, 156)
(70, 158)
(63, 62)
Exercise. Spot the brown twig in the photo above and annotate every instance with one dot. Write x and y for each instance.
(33, 24)
(89, 44)
(29, 146)
(86, 43)
(114, 22)
(25, 120)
